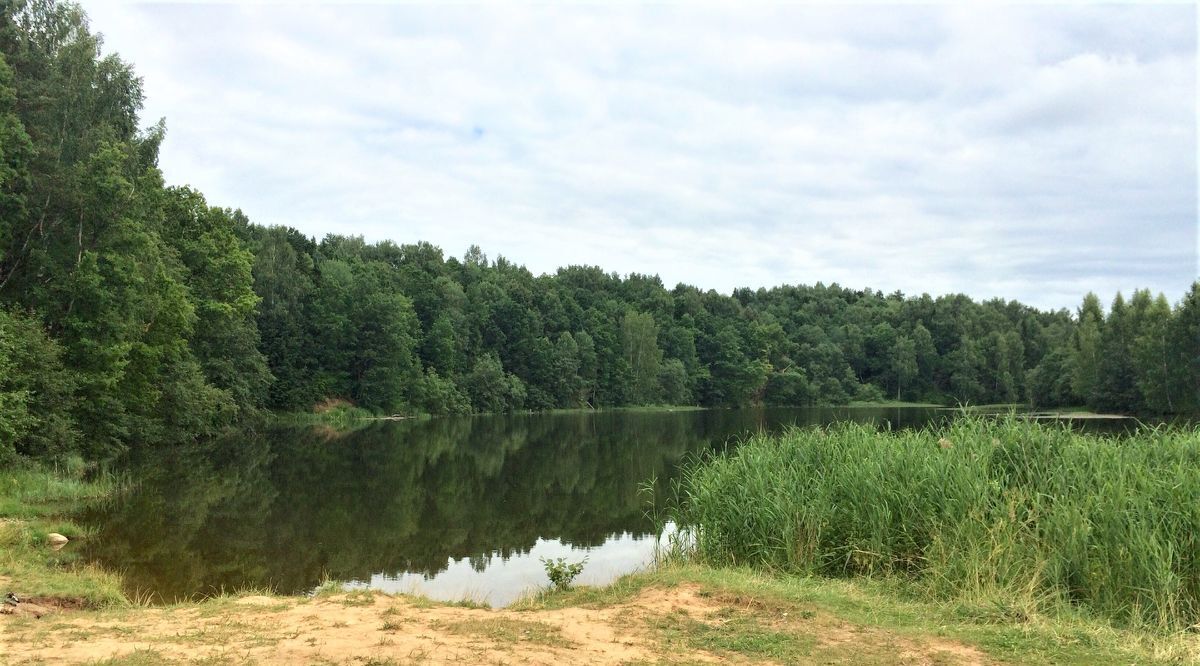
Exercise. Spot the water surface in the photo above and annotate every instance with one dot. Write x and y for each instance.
(448, 507)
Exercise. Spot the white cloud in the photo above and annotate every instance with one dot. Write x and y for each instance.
(1025, 152)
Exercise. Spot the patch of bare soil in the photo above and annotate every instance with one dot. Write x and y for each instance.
(367, 628)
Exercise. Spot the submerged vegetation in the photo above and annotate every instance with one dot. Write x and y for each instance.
(135, 314)
(982, 510)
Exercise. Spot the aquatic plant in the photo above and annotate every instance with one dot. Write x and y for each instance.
(973, 509)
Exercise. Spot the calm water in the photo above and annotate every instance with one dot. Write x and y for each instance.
(451, 507)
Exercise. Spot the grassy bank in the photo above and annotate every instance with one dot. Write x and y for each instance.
(675, 614)
(890, 404)
(33, 504)
(636, 409)
(761, 615)
(994, 512)
(341, 415)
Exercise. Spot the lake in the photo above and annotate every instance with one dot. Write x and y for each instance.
(450, 508)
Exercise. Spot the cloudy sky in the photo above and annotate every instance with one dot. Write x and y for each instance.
(1032, 152)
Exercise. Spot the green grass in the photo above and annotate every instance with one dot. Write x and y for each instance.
(39, 492)
(340, 418)
(1032, 514)
(137, 658)
(32, 501)
(762, 614)
(890, 403)
(637, 409)
(732, 632)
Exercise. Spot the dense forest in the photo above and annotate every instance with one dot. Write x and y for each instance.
(134, 313)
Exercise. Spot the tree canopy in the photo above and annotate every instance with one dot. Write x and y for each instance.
(134, 313)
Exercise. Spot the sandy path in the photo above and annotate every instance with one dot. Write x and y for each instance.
(365, 628)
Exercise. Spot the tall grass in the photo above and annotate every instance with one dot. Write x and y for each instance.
(37, 500)
(972, 509)
(51, 489)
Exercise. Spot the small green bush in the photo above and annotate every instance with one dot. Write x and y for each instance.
(561, 573)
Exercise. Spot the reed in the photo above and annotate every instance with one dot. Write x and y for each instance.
(976, 509)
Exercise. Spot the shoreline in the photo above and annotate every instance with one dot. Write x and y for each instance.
(674, 610)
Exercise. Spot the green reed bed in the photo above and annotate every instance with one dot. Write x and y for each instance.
(38, 500)
(978, 509)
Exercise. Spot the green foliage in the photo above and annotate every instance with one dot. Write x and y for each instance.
(561, 573)
(434, 394)
(225, 338)
(639, 342)
(35, 392)
(673, 382)
(492, 389)
(1033, 511)
(161, 319)
(1183, 335)
(1085, 360)
(143, 293)
(33, 500)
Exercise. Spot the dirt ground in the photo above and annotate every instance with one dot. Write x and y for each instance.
(660, 625)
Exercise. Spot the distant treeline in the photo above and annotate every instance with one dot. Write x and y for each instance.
(134, 314)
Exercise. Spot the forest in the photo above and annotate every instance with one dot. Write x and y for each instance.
(135, 314)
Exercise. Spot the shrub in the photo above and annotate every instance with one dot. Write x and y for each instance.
(561, 573)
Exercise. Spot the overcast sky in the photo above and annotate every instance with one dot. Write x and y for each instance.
(1032, 152)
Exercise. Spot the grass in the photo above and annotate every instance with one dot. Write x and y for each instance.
(761, 613)
(339, 418)
(39, 492)
(741, 614)
(890, 403)
(1031, 542)
(32, 501)
(1034, 515)
(636, 409)
(504, 630)
(731, 633)
(137, 658)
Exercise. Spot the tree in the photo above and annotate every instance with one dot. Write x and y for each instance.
(35, 391)
(284, 274)
(382, 361)
(1152, 355)
(1183, 334)
(673, 382)
(1116, 387)
(492, 389)
(225, 338)
(639, 342)
(1049, 384)
(1085, 350)
(15, 152)
(904, 363)
(789, 388)
(965, 365)
(736, 378)
(587, 367)
(567, 387)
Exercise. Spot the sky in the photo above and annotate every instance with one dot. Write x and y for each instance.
(1031, 152)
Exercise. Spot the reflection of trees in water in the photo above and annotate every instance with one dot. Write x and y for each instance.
(284, 507)
(189, 519)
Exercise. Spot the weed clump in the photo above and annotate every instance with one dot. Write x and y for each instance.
(561, 573)
(1012, 510)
